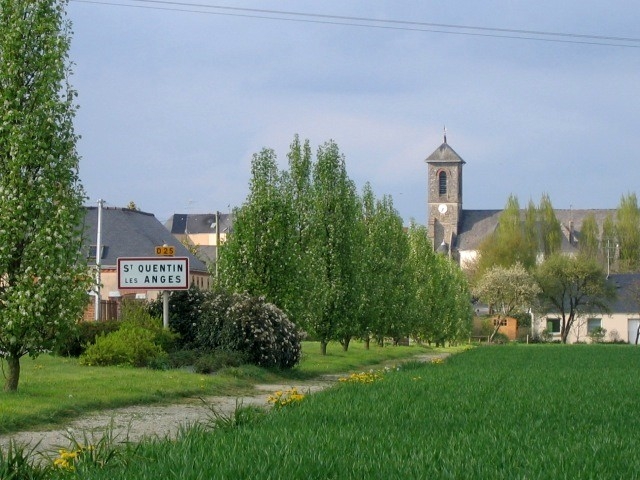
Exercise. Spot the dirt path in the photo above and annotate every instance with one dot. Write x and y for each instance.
(132, 424)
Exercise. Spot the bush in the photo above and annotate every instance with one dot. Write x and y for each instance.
(185, 309)
(248, 324)
(136, 314)
(84, 334)
(212, 362)
(131, 345)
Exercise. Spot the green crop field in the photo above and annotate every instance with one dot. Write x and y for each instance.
(521, 412)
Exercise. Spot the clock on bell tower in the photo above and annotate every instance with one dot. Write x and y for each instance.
(444, 194)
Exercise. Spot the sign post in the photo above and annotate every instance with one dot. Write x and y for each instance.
(154, 273)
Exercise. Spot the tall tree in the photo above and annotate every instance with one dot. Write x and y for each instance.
(44, 282)
(336, 243)
(550, 229)
(572, 287)
(509, 290)
(257, 258)
(390, 257)
(441, 304)
(508, 244)
(589, 242)
(299, 191)
(628, 229)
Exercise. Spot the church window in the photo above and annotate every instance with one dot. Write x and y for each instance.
(442, 183)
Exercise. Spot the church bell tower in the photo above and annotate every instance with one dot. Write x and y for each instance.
(444, 196)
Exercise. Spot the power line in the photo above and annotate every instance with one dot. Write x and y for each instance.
(388, 24)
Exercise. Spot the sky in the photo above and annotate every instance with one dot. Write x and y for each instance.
(175, 97)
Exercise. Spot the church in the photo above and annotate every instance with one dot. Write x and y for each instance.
(458, 232)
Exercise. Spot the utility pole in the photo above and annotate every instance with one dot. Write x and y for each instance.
(97, 307)
(217, 240)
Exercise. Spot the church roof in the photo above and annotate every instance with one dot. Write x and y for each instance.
(476, 225)
(444, 154)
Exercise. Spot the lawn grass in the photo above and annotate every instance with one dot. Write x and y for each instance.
(523, 412)
(54, 389)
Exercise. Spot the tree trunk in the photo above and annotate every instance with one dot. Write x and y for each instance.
(11, 383)
(323, 347)
(345, 343)
(367, 341)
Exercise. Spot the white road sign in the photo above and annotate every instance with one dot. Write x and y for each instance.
(153, 273)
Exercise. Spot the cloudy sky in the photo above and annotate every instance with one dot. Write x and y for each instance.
(176, 97)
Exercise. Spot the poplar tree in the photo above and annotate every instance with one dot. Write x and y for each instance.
(550, 228)
(589, 242)
(44, 281)
(628, 230)
(336, 246)
(257, 258)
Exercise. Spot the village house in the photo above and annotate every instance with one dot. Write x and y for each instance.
(201, 233)
(129, 233)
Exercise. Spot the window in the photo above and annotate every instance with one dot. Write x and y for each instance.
(442, 183)
(500, 321)
(553, 325)
(593, 323)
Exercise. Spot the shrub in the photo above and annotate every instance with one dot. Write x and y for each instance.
(131, 345)
(84, 334)
(248, 324)
(214, 361)
(597, 334)
(185, 309)
(182, 358)
(136, 314)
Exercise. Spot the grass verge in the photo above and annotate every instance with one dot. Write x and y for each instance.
(53, 389)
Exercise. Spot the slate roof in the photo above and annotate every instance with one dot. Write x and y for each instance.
(476, 225)
(624, 283)
(130, 233)
(444, 154)
(185, 223)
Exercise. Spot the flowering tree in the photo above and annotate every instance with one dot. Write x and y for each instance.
(508, 290)
(43, 280)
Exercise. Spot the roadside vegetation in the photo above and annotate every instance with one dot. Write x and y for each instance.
(57, 389)
(539, 411)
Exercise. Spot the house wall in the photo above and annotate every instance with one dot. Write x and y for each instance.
(202, 239)
(618, 322)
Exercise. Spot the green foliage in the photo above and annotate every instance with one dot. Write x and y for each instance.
(441, 303)
(44, 278)
(131, 345)
(211, 362)
(550, 230)
(589, 244)
(508, 290)
(136, 314)
(509, 244)
(385, 249)
(571, 286)
(249, 325)
(520, 237)
(84, 334)
(628, 231)
(16, 464)
(185, 309)
(441, 432)
(597, 334)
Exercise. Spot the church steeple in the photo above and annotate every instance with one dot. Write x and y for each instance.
(444, 194)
